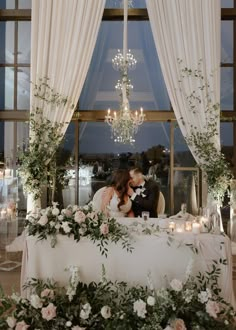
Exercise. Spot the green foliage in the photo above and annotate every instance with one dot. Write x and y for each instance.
(114, 305)
(45, 137)
(78, 222)
(211, 160)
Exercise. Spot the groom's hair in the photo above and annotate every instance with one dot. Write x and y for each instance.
(137, 170)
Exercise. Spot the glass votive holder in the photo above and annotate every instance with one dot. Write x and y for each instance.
(188, 226)
(205, 224)
(145, 215)
(196, 227)
(172, 226)
(179, 228)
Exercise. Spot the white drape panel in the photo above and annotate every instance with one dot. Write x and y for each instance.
(188, 30)
(63, 37)
(62, 42)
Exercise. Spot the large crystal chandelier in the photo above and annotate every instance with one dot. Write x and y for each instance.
(124, 123)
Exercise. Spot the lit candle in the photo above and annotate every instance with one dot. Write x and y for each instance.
(136, 113)
(115, 114)
(179, 228)
(188, 226)
(108, 111)
(196, 228)
(141, 110)
(172, 225)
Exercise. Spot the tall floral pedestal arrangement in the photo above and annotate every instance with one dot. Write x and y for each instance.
(232, 225)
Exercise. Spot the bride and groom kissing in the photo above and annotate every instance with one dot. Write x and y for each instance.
(129, 194)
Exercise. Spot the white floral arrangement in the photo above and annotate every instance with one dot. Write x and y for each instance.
(77, 222)
(193, 304)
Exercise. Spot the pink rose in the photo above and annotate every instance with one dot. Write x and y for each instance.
(104, 229)
(80, 217)
(43, 220)
(179, 325)
(212, 308)
(47, 293)
(21, 325)
(49, 312)
(68, 213)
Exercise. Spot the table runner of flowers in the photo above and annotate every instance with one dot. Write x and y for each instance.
(77, 222)
(192, 304)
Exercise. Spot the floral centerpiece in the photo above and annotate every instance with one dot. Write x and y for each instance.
(194, 304)
(77, 222)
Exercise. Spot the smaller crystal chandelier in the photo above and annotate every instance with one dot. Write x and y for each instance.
(124, 123)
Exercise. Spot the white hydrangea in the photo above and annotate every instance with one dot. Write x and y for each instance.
(35, 301)
(151, 301)
(204, 296)
(55, 211)
(66, 227)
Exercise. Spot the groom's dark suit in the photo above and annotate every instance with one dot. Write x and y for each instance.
(146, 199)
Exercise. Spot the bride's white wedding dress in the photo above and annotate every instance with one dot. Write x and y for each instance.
(113, 209)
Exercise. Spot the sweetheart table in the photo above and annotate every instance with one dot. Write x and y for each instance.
(162, 256)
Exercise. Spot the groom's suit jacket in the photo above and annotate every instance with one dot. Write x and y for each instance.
(146, 199)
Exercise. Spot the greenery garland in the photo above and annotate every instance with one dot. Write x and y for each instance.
(194, 304)
(211, 160)
(45, 137)
(77, 222)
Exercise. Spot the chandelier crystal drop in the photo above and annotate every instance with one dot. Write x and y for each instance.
(124, 122)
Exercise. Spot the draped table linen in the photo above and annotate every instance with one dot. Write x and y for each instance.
(161, 255)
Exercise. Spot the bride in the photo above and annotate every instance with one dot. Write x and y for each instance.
(115, 200)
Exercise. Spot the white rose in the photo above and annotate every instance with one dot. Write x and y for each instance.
(60, 217)
(204, 296)
(86, 207)
(55, 211)
(63, 211)
(85, 311)
(68, 324)
(43, 220)
(151, 301)
(75, 208)
(52, 223)
(140, 308)
(176, 285)
(66, 227)
(106, 312)
(11, 321)
(35, 301)
(82, 231)
(58, 226)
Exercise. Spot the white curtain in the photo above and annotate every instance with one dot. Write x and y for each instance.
(63, 37)
(188, 30)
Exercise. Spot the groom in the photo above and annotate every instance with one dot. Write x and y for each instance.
(143, 194)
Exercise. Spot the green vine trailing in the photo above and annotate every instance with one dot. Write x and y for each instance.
(211, 160)
(45, 137)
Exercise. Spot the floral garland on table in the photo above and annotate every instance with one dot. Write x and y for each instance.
(212, 161)
(77, 222)
(45, 138)
(194, 304)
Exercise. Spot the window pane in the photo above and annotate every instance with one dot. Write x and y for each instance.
(226, 89)
(227, 42)
(227, 3)
(7, 4)
(186, 190)
(23, 88)
(100, 155)
(7, 42)
(119, 4)
(6, 88)
(149, 89)
(24, 4)
(182, 155)
(227, 141)
(23, 55)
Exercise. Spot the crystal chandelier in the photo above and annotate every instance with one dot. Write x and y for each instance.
(124, 123)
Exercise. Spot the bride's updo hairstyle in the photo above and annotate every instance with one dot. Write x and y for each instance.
(119, 182)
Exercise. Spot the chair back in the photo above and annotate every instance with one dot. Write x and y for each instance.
(97, 199)
(161, 204)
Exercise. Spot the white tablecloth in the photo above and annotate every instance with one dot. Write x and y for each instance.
(151, 254)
